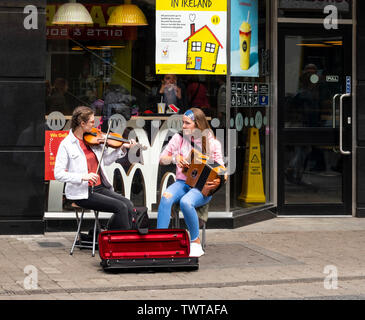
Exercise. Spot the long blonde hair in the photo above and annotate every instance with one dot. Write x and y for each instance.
(202, 124)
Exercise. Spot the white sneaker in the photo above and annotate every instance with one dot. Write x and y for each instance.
(196, 250)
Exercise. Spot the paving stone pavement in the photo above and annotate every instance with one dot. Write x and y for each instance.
(283, 258)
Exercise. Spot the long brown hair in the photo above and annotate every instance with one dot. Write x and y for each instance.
(81, 113)
(202, 124)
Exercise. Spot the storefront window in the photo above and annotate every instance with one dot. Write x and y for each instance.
(250, 108)
(315, 8)
(112, 70)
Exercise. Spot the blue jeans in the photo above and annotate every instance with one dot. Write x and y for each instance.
(190, 198)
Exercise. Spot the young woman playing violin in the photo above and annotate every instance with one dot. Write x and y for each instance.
(177, 151)
(77, 164)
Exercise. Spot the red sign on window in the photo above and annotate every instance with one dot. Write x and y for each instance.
(53, 140)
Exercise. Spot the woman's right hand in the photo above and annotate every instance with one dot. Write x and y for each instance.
(181, 162)
(93, 177)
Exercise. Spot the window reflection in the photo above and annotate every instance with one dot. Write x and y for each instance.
(313, 75)
(313, 174)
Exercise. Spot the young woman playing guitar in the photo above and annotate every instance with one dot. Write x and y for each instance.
(196, 129)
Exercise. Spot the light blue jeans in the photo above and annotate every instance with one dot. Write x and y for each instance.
(190, 198)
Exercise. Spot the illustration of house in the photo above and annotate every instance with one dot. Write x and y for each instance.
(202, 49)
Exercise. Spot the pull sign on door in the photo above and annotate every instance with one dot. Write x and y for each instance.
(348, 85)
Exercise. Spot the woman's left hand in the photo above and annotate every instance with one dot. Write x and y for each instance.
(211, 185)
(129, 145)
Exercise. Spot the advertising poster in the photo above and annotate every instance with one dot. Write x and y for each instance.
(244, 38)
(191, 37)
(53, 140)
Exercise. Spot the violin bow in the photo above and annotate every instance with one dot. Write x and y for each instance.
(102, 152)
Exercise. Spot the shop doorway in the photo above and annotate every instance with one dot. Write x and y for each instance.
(314, 120)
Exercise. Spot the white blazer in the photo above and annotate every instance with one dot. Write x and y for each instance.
(71, 166)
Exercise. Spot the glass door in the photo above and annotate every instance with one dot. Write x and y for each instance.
(315, 120)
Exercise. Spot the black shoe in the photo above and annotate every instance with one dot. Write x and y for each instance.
(86, 240)
(86, 237)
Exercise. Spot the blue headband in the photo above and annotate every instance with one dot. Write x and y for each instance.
(190, 114)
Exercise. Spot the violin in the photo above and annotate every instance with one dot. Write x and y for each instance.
(111, 139)
(115, 140)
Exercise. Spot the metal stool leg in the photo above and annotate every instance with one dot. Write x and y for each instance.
(175, 221)
(177, 218)
(77, 236)
(203, 235)
(96, 226)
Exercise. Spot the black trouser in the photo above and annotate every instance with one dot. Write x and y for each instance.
(106, 200)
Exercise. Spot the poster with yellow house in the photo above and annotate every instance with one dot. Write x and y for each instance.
(202, 49)
(183, 48)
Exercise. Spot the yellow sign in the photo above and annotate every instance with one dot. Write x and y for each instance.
(181, 69)
(192, 5)
(191, 36)
(252, 183)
